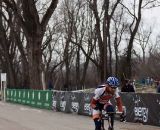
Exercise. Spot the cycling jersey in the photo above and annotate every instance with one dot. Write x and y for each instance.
(103, 97)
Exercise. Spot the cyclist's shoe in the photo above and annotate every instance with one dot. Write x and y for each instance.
(122, 118)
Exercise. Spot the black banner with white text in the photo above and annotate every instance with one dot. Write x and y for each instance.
(144, 108)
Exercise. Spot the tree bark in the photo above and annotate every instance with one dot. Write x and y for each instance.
(34, 29)
(128, 68)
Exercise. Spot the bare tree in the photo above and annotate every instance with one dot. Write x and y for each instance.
(105, 44)
(34, 29)
(119, 30)
(142, 38)
(8, 47)
(133, 28)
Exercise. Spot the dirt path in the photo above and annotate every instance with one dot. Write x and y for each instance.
(18, 117)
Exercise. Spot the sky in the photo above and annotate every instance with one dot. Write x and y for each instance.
(151, 18)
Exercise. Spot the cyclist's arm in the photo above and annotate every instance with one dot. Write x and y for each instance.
(118, 100)
(93, 103)
(119, 104)
(98, 93)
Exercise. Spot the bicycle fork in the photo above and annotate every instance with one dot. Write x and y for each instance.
(102, 124)
(110, 122)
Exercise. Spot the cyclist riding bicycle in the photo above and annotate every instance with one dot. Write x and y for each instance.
(101, 101)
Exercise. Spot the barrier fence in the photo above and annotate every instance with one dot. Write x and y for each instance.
(144, 108)
(34, 98)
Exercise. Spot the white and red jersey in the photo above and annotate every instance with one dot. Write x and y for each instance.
(103, 97)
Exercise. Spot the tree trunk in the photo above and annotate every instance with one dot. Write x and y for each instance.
(128, 68)
(7, 62)
(35, 62)
(78, 69)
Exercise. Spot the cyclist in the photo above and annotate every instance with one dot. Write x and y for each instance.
(101, 101)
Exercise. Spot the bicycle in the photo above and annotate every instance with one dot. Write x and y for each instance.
(110, 117)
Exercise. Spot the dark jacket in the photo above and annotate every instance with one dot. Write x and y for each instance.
(158, 88)
(127, 88)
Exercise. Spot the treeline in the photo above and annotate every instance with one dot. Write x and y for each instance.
(75, 44)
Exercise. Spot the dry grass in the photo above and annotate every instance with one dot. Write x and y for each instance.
(146, 89)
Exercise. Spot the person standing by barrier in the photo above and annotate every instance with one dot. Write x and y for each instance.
(158, 87)
(133, 84)
(127, 87)
(101, 101)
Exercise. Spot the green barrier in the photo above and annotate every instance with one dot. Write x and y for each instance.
(12, 94)
(24, 96)
(28, 97)
(8, 94)
(35, 98)
(39, 99)
(47, 104)
(15, 96)
(19, 96)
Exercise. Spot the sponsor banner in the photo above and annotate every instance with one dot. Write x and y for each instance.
(85, 108)
(143, 108)
(61, 101)
(55, 102)
(75, 99)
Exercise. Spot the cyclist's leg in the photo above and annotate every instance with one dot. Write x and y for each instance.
(97, 124)
(96, 115)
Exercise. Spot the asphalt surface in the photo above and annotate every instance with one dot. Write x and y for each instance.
(19, 117)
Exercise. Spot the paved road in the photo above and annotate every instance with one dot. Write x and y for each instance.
(18, 117)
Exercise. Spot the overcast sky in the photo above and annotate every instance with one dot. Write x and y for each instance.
(152, 18)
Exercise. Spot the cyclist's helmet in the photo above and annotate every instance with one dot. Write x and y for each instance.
(113, 82)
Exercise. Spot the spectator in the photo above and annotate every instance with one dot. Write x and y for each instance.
(143, 81)
(158, 87)
(66, 87)
(133, 84)
(50, 85)
(148, 80)
(151, 81)
(127, 87)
